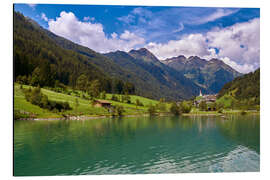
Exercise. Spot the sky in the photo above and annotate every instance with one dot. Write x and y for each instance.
(229, 34)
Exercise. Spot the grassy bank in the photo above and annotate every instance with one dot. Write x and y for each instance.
(85, 107)
(24, 109)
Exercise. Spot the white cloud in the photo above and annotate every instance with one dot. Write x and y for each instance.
(189, 45)
(142, 12)
(238, 45)
(240, 42)
(180, 28)
(240, 68)
(219, 13)
(92, 35)
(44, 17)
(89, 18)
(127, 19)
(33, 6)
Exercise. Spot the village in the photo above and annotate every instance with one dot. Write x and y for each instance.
(208, 99)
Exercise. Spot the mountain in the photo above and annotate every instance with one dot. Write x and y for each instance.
(41, 56)
(244, 87)
(211, 75)
(156, 75)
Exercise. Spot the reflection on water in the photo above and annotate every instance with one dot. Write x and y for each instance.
(137, 145)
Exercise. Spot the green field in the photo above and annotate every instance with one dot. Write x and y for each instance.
(84, 108)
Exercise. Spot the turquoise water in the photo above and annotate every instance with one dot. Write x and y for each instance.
(137, 145)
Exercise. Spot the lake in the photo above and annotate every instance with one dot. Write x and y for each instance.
(137, 145)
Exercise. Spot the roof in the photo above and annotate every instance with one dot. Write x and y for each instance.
(102, 102)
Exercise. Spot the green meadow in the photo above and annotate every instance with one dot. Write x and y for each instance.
(85, 106)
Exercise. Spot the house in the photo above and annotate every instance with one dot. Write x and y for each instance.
(209, 99)
(102, 103)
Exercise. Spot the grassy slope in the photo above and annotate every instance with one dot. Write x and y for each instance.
(85, 107)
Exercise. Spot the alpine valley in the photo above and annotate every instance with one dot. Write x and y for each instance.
(39, 51)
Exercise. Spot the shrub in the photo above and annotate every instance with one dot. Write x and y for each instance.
(220, 110)
(161, 106)
(119, 110)
(243, 112)
(174, 109)
(37, 98)
(185, 107)
(114, 98)
(103, 95)
(151, 109)
(138, 103)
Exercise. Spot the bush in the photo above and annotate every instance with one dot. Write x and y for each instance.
(161, 106)
(103, 95)
(220, 110)
(243, 112)
(151, 109)
(114, 98)
(175, 109)
(126, 98)
(117, 110)
(185, 107)
(138, 103)
(37, 98)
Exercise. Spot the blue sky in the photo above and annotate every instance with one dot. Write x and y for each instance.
(224, 33)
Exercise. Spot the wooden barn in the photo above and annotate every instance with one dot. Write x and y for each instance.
(102, 103)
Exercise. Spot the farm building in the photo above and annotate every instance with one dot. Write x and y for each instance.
(102, 103)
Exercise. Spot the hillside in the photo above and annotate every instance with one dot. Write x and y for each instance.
(84, 108)
(244, 88)
(39, 60)
(155, 74)
(211, 75)
(66, 61)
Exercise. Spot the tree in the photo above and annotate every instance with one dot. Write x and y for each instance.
(138, 103)
(213, 106)
(161, 106)
(76, 104)
(185, 107)
(81, 82)
(126, 98)
(43, 75)
(129, 88)
(103, 95)
(219, 106)
(119, 110)
(114, 98)
(151, 110)
(117, 86)
(174, 109)
(203, 106)
(45, 101)
(35, 80)
(94, 89)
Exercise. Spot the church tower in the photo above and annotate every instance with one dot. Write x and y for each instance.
(200, 93)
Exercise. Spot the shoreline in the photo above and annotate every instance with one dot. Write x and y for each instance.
(85, 117)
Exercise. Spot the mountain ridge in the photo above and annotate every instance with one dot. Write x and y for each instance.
(70, 60)
(211, 74)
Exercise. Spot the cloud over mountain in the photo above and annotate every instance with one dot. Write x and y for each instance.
(92, 34)
(237, 45)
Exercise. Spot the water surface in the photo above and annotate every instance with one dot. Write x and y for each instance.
(137, 145)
